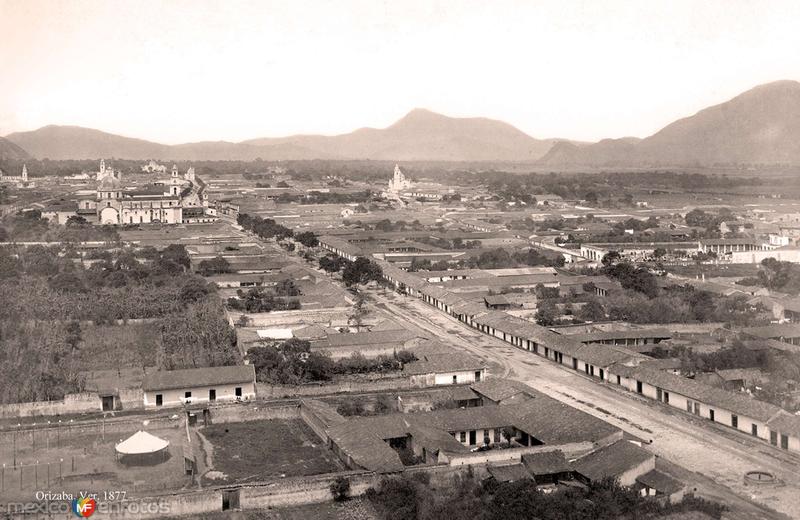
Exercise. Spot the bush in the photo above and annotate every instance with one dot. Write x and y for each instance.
(340, 489)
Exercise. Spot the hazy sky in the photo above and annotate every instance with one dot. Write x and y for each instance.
(175, 71)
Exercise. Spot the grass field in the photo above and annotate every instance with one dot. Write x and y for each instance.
(255, 450)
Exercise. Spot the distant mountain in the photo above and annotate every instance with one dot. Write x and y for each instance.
(426, 135)
(11, 152)
(74, 142)
(760, 126)
(420, 135)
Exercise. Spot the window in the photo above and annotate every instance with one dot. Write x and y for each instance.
(773, 438)
(666, 397)
(602, 374)
(159, 399)
(689, 406)
(238, 391)
(619, 380)
(462, 436)
(711, 415)
(754, 430)
(455, 379)
(478, 376)
(735, 421)
(212, 394)
(784, 442)
(187, 395)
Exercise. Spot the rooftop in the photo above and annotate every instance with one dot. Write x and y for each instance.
(198, 377)
(611, 460)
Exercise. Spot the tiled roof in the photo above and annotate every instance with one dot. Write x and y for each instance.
(602, 335)
(443, 363)
(509, 472)
(546, 462)
(498, 389)
(661, 482)
(554, 422)
(198, 377)
(612, 460)
(733, 401)
(785, 423)
(787, 330)
(364, 338)
(606, 355)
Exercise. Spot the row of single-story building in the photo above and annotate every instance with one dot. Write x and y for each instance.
(616, 365)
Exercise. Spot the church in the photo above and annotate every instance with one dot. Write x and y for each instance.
(18, 179)
(178, 199)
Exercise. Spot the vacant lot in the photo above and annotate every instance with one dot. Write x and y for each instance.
(256, 450)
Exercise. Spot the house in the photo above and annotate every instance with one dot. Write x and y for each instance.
(548, 467)
(658, 484)
(462, 436)
(446, 369)
(193, 385)
(622, 460)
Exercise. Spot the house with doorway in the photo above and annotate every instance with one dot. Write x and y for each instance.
(197, 385)
(445, 369)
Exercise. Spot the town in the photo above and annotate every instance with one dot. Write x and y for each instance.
(432, 317)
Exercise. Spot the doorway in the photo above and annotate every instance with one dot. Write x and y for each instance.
(230, 499)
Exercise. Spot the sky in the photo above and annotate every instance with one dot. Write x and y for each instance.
(181, 71)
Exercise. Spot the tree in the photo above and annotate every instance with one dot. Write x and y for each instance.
(592, 310)
(76, 221)
(74, 335)
(199, 337)
(318, 366)
(216, 265)
(359, 312)
(546, 314)
(361, 271)
(193, 290)
(178, 254)
(611, 258)
(67, 282)
(307, 238)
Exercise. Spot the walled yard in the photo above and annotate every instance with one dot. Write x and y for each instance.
(258, 450)
(355, 509)
(82, 457)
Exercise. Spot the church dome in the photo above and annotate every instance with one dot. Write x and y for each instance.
(109, 184)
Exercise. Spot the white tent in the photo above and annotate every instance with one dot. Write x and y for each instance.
(141, 443)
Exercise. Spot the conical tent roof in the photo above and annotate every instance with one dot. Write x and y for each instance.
(141, 442)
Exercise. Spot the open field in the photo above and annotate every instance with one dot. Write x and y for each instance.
(256, 450)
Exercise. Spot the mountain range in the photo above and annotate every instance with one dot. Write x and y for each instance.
(760, 126)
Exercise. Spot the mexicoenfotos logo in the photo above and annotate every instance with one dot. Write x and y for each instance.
(84, 507)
